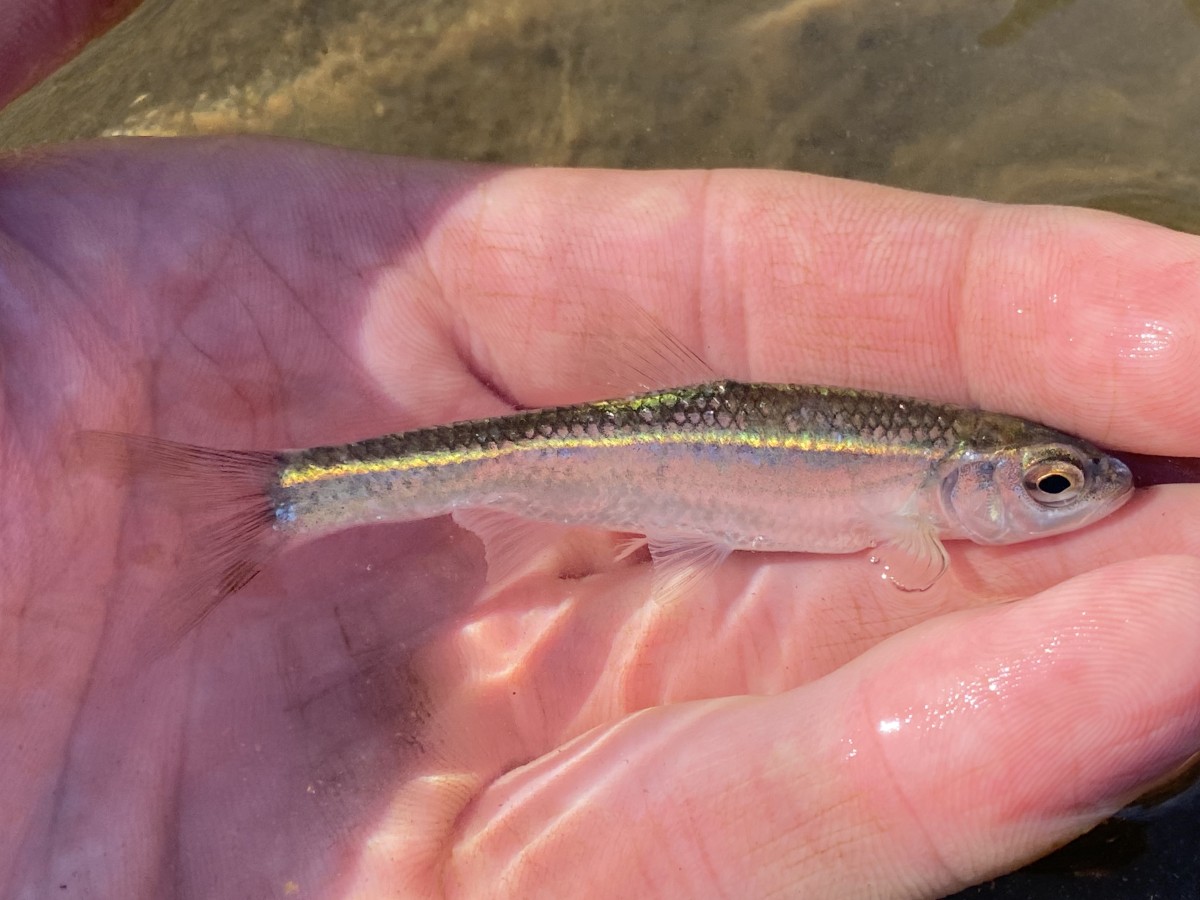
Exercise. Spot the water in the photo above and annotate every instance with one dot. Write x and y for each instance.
(1049, 101)
(1062, 101)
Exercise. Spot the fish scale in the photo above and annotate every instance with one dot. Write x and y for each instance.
(724, 406)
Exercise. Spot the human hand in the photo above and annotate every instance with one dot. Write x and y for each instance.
(365, 720)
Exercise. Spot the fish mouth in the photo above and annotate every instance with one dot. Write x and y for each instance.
(1114, 474)
(1110, 484)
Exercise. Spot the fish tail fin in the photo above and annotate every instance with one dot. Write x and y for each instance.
(228, 528)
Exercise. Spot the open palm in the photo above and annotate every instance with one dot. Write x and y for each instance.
(370, 718)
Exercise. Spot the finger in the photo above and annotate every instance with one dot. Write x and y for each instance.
(37, 37)
(947, 754)
(1085, 320)
(1080, 319)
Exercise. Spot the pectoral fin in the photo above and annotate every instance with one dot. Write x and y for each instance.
(913, 558)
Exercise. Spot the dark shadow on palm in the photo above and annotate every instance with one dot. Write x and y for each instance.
(225, 308)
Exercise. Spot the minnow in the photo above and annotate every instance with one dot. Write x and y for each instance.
(700, 471)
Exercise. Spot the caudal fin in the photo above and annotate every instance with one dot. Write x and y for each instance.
(223, 498)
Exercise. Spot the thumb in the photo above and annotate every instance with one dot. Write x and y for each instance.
(950, 753)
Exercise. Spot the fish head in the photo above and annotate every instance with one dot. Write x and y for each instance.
(1031, 490)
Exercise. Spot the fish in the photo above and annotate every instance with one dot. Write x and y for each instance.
(697, 472)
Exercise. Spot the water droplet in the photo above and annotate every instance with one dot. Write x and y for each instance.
(1147, 341)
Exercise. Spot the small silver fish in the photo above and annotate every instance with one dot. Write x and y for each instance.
(701, 471)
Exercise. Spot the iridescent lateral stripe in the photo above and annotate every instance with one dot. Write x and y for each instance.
(750, 416)
(307, 474)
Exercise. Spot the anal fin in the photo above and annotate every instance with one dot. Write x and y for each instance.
(681, 562)
(514, 545)
(510, 543)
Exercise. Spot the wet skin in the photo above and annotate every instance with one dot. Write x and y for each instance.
(368, 719)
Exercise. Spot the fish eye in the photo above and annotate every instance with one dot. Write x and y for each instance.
(1054, 482)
